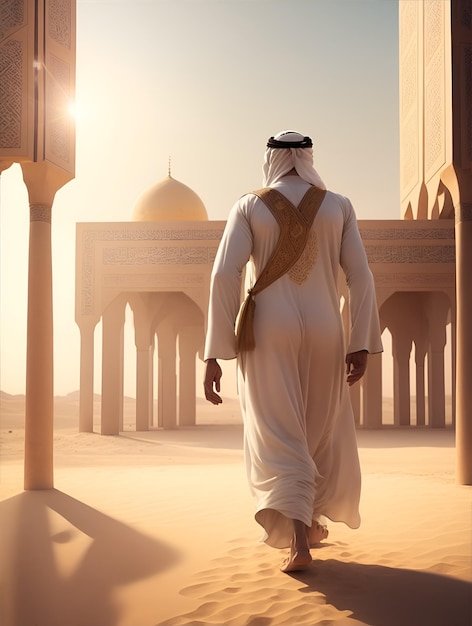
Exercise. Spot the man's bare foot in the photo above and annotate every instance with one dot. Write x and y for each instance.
(317, 533)
(297, 560)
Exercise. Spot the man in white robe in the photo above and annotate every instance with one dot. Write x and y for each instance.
(299, 433)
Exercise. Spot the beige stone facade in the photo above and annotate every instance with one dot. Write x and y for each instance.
(436, 160)
(162, 269)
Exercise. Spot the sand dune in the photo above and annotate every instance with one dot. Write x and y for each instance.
(156, 529)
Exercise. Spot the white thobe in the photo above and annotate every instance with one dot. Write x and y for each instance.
(299, 433)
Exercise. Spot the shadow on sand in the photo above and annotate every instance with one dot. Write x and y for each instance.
(62, 561)
(385, 596)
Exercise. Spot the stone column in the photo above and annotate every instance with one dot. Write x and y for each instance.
(462, 126)
(436, 391)
(420, 387)
(86, 377)
(188, 346)
(144, 374)
(438, 311)
(401, 379)
(464, 345)
(143, 305)
(453, 362)
(167, 380)
(42, 181)
(39, 408)
(112, 367)
(372, 393)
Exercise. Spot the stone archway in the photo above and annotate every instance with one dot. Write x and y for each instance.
(417, 321)
(177, 323)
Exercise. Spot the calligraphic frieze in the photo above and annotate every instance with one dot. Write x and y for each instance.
(163, 255)
(59, 23)
(398, 234)
(11, 70)
(161, 281)
(13, 15)
(410, 254)
(417, 280)
(128, 233)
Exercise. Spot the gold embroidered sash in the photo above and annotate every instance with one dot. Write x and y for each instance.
(295, 225)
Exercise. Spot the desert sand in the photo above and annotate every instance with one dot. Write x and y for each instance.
(157, 529)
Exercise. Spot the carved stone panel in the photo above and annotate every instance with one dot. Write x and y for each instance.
(466, 106)
(16, 80)
(410, 97)
(59, 140)
(434, 87)
(142, 257)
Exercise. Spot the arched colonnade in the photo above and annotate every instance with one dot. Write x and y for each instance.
(163, 271)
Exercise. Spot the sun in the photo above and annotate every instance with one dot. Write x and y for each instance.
(73, 110)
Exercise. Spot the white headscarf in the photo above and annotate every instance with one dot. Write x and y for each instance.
(279, 161)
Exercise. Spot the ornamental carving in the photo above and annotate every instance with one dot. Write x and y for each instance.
(397, 234)
(167, 255)
(417, 280)
(466, 105)
(58, 123)
(433, 28)
(409, 83)
(40, 213)
(409, 97)
(434, 116)
(59, 22)
(126, 234)
(465, 13)
(408, 22)
(11, 86)
(12, 15)
(410, 171)
(303, 266)
(169, 234)
(411, 254)
(158, 281)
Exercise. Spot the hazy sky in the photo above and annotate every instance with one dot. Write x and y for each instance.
(205, 82)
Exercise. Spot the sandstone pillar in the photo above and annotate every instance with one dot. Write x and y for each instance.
(436, 391)
(420, 388)
(188, 346)
(372, 393)
(112, 368)
(401, 379)
(167, 382)
(464, 346)
(42, 181)
(86, 378)
(144, 374)
(144, 309)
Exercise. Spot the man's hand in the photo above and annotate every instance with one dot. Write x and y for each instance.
(356, 364)
(211, 381)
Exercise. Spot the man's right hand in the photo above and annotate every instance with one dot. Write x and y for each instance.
(211, 381)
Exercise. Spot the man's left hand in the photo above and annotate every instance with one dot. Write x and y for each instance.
(356, 364)
(211, 382)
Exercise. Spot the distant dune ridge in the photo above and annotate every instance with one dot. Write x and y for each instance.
(156, 529)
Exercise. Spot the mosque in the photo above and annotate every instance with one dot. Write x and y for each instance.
(160, 261)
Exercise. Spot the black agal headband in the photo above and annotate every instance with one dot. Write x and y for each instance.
(306, 142)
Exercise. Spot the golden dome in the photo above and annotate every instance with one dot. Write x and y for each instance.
(169, 200)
